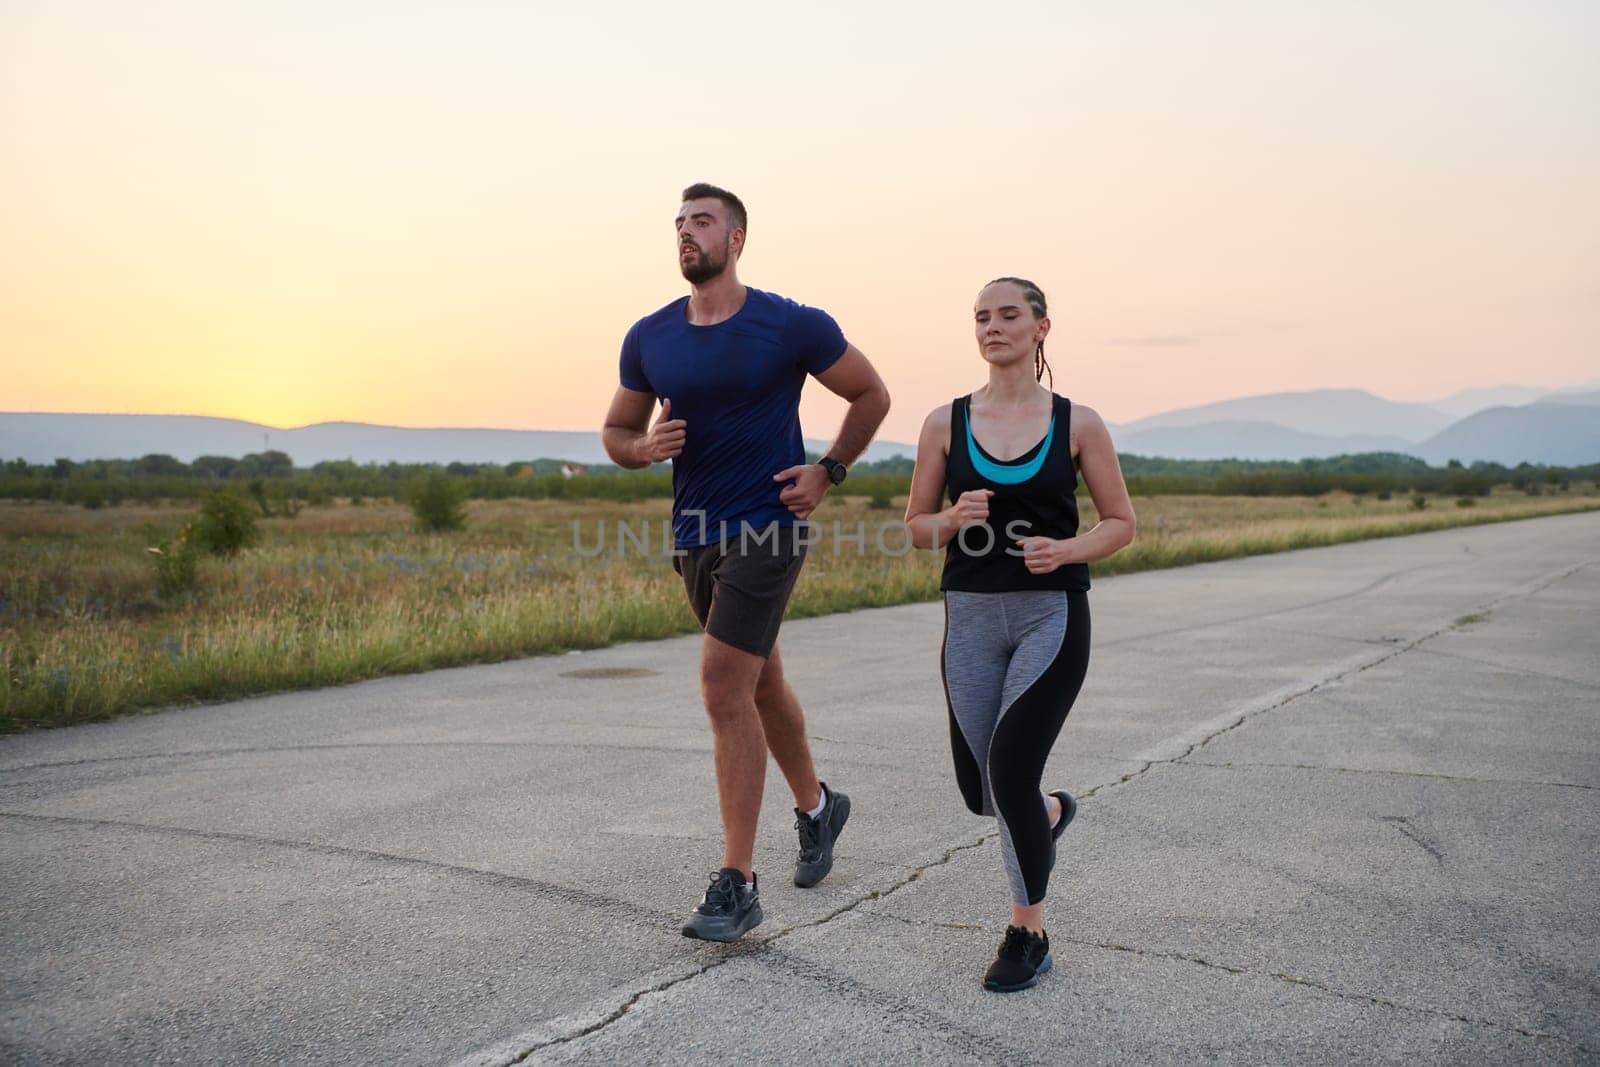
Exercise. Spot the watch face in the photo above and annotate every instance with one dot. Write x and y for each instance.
(835, 469)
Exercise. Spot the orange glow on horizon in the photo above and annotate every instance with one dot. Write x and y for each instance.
(450, 219)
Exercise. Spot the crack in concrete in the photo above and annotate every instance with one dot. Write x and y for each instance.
(757, 949)
(1122, 780)
(1376, 583)
(1509, 668)
(1386, 1002)
(949, 855)
(549, 890)
(1365, 663)
(1290, 698)
(1233, 765)
(1340, 638)
(1403, 824)
(338, 746)
(876, 894)
(1152, 954)
(980, 1047)
(521, 1050)
(925, 924)
(1361, 664)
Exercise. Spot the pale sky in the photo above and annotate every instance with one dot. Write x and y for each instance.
(449, 214)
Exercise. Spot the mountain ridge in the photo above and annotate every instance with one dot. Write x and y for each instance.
(1555, 429)
(42, 437)
(1326, 412)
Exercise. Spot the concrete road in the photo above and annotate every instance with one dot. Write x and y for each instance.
(1340, 804)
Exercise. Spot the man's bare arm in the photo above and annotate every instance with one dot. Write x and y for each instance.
(631, 439)
(854, 379)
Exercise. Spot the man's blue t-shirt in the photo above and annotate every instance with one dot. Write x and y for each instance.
(737, 386)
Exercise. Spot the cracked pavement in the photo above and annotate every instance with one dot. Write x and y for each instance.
(1338, 804)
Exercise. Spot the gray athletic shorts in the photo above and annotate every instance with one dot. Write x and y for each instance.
(740, 587)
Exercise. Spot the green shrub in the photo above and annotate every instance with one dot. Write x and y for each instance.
(176, 563)
(1466, 502)
(1419, 502)
(1384, 494)
(258, 492)
(436, 500)
(226, 525)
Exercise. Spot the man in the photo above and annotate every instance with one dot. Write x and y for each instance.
(727, 363)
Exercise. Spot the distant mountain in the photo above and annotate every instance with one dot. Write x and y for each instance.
(1592, 397)
(43, 438)
(1471, 401)
(1466, 402)
(1238, 439)
(1561, 428)
(875, 451)
(1322, 412)
(1552, 432)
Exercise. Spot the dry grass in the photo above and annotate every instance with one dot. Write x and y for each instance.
(343, 593)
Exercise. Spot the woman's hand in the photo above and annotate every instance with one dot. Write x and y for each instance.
(1042, 555)
(971, 507)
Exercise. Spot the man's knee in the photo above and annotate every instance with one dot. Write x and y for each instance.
(772, 686)
(726, 701)
(728, 682)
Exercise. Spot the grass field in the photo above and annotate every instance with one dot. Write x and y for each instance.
(342, 593)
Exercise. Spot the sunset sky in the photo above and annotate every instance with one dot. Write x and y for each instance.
(449, 214)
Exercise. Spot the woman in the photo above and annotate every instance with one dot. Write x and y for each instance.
(1015, 581)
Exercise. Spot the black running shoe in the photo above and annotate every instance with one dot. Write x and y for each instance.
(728, 909)
(1024, 956)
(817, 837)
(1069, 808)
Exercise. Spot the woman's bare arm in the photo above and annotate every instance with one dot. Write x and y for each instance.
(930, 525)
(1097, 462)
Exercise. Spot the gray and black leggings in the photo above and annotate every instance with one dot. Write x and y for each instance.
(1013, 664)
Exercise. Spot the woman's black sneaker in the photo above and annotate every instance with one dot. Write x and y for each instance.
(728, 909)
(1069, 808)
(1023, 957)
(817, 837)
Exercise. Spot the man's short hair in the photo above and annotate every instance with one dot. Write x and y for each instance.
(705, 191)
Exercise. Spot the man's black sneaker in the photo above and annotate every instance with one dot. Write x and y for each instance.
(1024, 956)
(817, 837)
(1069, 808)
(728, 910)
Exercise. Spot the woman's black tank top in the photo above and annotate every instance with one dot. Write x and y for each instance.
(1033, 496)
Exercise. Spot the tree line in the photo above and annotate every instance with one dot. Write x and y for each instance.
(278, 486)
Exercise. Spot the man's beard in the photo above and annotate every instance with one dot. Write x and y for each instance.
(705, 266)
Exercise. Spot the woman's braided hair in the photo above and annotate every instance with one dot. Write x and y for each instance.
(1035, 298)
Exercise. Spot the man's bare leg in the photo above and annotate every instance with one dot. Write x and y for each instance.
(785, 725)
(728, 684)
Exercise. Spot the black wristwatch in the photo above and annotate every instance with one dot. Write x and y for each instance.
(836, 470)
